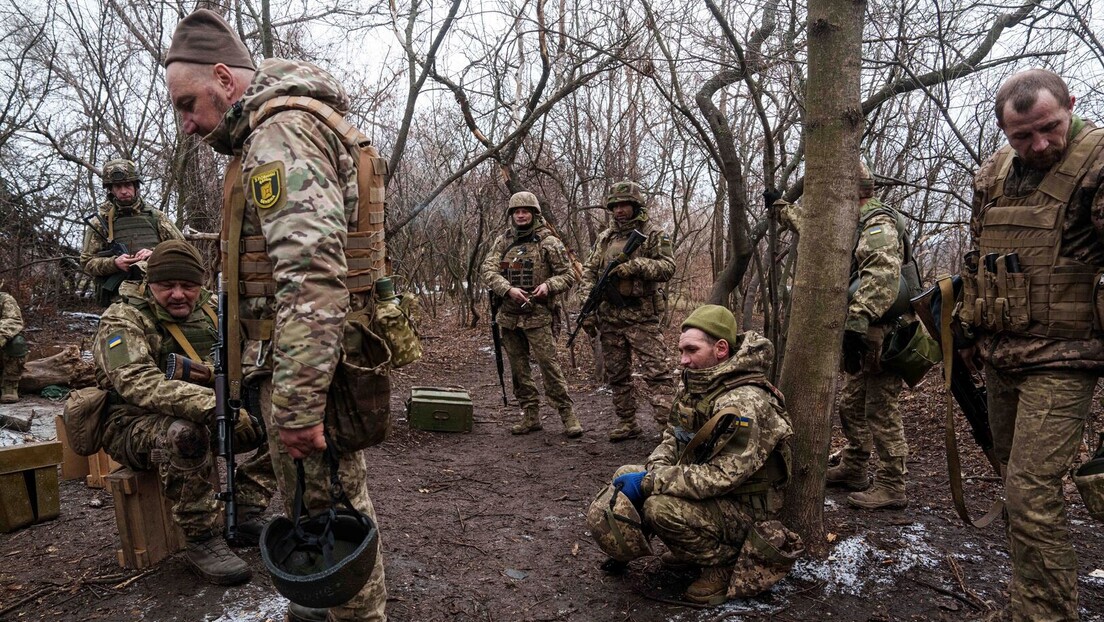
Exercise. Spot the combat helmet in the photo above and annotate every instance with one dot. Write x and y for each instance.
(616, 526)
(120, 171)
(524, 199)
(1089, 478)
(866, 181)
(625, 192)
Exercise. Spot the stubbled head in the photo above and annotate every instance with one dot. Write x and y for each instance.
(1034, 109)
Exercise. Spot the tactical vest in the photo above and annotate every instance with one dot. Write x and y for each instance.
(135, 230)
(909, 282)
(194, 337)
(628, 288)
(521, 263)
(1043, 293)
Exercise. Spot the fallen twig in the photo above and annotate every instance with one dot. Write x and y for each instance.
(946, 592)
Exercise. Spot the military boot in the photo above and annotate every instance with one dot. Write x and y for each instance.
(766, 557)
(848, 475)
(888, 492)
(299, 613)
(251, 522)
(572, 427)
(9, 392)
(530, 422)
(213, 560)
(711, 588)
(628, 429)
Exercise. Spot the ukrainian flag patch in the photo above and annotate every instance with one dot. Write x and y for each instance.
(743, 422)
(114, 341)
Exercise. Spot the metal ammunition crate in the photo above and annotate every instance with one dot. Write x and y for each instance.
(439, 409)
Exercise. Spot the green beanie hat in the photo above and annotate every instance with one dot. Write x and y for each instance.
(715, 321)
(174, 260)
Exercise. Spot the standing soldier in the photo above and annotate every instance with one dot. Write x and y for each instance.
(527, 268)
(1037, 224)
(288, 217)
(121, 234)
(13, 348)
(868, 400)
(634, 327)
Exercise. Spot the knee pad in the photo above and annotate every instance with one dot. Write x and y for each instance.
(189, 444)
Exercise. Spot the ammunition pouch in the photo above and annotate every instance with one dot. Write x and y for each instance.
(83, 417)
(910, 352)
(358, 405)
(394, 324)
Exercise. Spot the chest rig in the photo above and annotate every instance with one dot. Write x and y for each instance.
(1024, 284)
(194, 337)
(632, 289)
(135, 229)
(521, 263)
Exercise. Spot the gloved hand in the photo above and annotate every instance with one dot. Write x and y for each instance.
(629, 484)
(855, 347)
(622, 271)
(248, 433)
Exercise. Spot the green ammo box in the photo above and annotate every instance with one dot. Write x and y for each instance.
(439, 409)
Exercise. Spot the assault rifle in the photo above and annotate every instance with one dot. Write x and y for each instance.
(601, 288)
(114, 248)
(496, 337)
(180, 367)
(226, 414)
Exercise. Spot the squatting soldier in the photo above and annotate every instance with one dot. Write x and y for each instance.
(713, 488)
(527, 269)
(156, 423)
(122, 233)
(13, 348)
(1037, 225)
(634, 328)
(869, 408)
(292, 210)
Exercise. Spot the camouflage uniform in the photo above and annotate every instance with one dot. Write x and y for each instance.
(305, 233)
(702, 509)
(635, 328)
(165, 424)
(868, 400)
(1040, 386)
(13, 347)
(529, 329)
(147, 227)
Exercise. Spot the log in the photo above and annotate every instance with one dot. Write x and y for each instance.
(66, 368)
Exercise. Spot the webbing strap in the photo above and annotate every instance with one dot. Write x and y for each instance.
(954, 464)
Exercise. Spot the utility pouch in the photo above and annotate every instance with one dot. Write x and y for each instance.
(358, 405)
(1016, 293)
(83, 418)
(973, 307)
(1000, 305)
(393, 323)
(987, 281)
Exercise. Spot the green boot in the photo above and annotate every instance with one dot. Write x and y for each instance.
(572, 427)
(888, 492)
(848, 475)
(530, 422)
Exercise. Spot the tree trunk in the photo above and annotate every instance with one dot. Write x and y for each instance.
(810, 373)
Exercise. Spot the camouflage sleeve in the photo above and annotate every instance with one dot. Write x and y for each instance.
(89, 262)
(304, 225)
(563, 275)
(758, 429)
(665, 454)
(1095, 194)
(11, 320)
(654, 260)
(490, 271)
(166, 230)
(878, 255)
(593, 266)
(124, 355)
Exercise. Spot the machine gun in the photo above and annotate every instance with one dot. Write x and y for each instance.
(496, 337)
(226, 413)
(601, 287)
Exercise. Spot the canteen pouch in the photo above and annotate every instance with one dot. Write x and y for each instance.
(83, 418)
(910, 353)
(358, 405)
(394, 324)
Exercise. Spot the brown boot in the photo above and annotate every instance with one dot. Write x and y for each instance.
(9, 393)
(530, 422)
(848, 476)
(628, 429)
(572, 427)
(212, 560)
(711, 588)
(880, 497)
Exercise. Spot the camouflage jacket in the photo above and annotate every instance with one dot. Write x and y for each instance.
(93, 243)
(553, 255)
(876, 261)
(652, 263)
(126, 350)
(305, 233)
(760, 428)
(11, 320)
(1082, 240)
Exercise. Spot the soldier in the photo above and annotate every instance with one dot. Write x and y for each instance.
(296, 199)
(527, 268)
(633, 328)
(156, 423)
(713, 488)
(13, 348)
(1037, 223)
(122, 233)
(868, 400)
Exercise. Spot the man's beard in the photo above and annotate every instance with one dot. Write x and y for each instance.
(1043, 161)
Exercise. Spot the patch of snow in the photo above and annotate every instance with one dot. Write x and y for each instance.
(249, 603)
(855, 563)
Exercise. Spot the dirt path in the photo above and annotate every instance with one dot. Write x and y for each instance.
(489, 527)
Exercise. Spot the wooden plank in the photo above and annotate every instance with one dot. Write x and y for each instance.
(143, 515)
(47, 497)
(15, 503)
(73, 465)
(100, 465)
(29, 456)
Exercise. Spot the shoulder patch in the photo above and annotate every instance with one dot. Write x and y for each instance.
(118, 354)
(267, 185)
(876, 236)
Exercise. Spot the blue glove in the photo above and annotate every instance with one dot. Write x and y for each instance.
(629, 485)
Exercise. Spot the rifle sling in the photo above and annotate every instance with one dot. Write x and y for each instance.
(230, 279)
(954, 464)
(178, 335)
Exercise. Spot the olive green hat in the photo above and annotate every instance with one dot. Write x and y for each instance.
(715, 321)
(174, 260)
(203, 37)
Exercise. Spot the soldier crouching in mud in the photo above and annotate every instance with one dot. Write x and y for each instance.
(713, 488)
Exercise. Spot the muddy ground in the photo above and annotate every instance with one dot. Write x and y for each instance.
(489, 527)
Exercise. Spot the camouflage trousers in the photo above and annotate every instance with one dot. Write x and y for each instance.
(369, 603)
(519, 344)
(1037, 421)
(11, 368)
(140, 441)
(871, 419)
(620, 341)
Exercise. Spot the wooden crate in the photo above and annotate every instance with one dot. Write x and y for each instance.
(99, 466)
(29, 484)
(73, 465)
(143, 514)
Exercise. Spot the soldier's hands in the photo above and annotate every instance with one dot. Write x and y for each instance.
(855, 347)
(143, 254)
(248, 434)
(303, 442)
(517, 295)
(541, 292)
(622, 271)
(629, 485)
(124, 262)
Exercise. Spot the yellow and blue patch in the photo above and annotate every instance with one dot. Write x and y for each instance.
(743, 422)
(114, 341)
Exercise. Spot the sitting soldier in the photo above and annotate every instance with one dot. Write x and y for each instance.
(712, 489)
(153, 422)
(13, 348)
